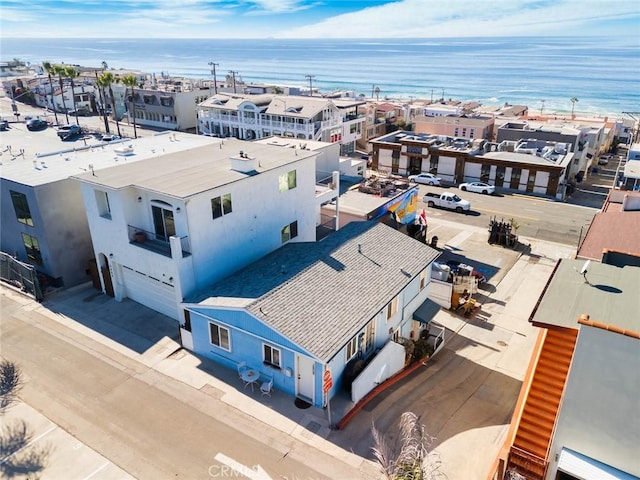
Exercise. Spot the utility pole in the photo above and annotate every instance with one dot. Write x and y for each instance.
(432, 95)
(541, 106)
(233, 74)
(310, 77)
(213, 71)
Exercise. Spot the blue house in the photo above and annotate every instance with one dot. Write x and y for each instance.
(311, 307)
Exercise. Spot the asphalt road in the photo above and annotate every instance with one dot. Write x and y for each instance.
(148, 424)
(539, 218)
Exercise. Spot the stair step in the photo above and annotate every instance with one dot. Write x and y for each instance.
(532, 443)
(543, 417)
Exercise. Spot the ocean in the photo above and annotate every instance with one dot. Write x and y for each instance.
(544, 73)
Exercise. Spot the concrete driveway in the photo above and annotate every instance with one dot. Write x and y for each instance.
(465, 395)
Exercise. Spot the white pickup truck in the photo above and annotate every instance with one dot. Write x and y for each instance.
(447, 200)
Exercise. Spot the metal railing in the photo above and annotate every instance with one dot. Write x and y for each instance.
(154, 242)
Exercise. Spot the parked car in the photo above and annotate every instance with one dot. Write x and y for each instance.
(68, 132)
(447, 200)
(82, 112)
(110, 138)
(425, 179)
(477, 187)
(36, 124)
(603, 160)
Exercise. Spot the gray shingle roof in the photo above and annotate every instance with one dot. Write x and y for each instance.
(319, 295)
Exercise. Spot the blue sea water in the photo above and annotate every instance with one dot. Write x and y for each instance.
(542, 72)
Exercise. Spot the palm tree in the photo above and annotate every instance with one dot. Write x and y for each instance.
(377, 92)
(71, 73)
(102, 85)
(573, 105)
(48, 67)
(108, 79)
(60, 70)
(131, 81)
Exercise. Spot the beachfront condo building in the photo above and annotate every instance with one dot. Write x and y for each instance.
(253, 117)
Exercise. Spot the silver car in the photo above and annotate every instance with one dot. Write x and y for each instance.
(425, 179)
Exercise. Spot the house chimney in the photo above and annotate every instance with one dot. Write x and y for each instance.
(243, 163)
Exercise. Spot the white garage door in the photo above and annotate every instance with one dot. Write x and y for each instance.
(150, 292)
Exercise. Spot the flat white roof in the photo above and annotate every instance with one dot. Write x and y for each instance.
(47, 159)
(191, 171)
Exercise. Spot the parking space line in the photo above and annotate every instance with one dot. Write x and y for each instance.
(34, 440)
(97, 470)
(508, 215)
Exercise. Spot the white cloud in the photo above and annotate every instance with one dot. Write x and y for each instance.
(460, 18)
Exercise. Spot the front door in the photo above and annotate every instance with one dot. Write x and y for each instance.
(305, 377)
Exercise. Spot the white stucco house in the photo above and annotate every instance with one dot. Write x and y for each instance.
(162, 228)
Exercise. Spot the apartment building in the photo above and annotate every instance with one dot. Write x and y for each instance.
(251, 117)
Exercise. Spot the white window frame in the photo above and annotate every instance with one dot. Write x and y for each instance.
(392, 307)
(220, 328)
(270, 361)
(102, 201)
(287, 181)
(351, 350)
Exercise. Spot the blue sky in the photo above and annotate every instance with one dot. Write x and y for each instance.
(318, 18)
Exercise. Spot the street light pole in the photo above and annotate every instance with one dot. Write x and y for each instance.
(213, 71)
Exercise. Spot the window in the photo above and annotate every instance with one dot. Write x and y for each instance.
(32, 247)
(485, 171)
(102, 200)
(395, 154)
(456, 131)
(21, 206)
(221, 205)
(352, 348)
(219, 336)
(187, 320)
(392, 307)
(423, 279)
(289, 232)
(271, 355)
(472, 132)
(370, 336)
(433, 164)
(464, 131)
(287, 181)
(163, 222)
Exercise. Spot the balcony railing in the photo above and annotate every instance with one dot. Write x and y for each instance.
(156, 243)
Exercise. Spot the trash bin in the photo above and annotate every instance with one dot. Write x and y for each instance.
(434, 242)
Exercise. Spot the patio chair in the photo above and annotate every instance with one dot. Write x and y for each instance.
(266, 387)
(242, 367)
